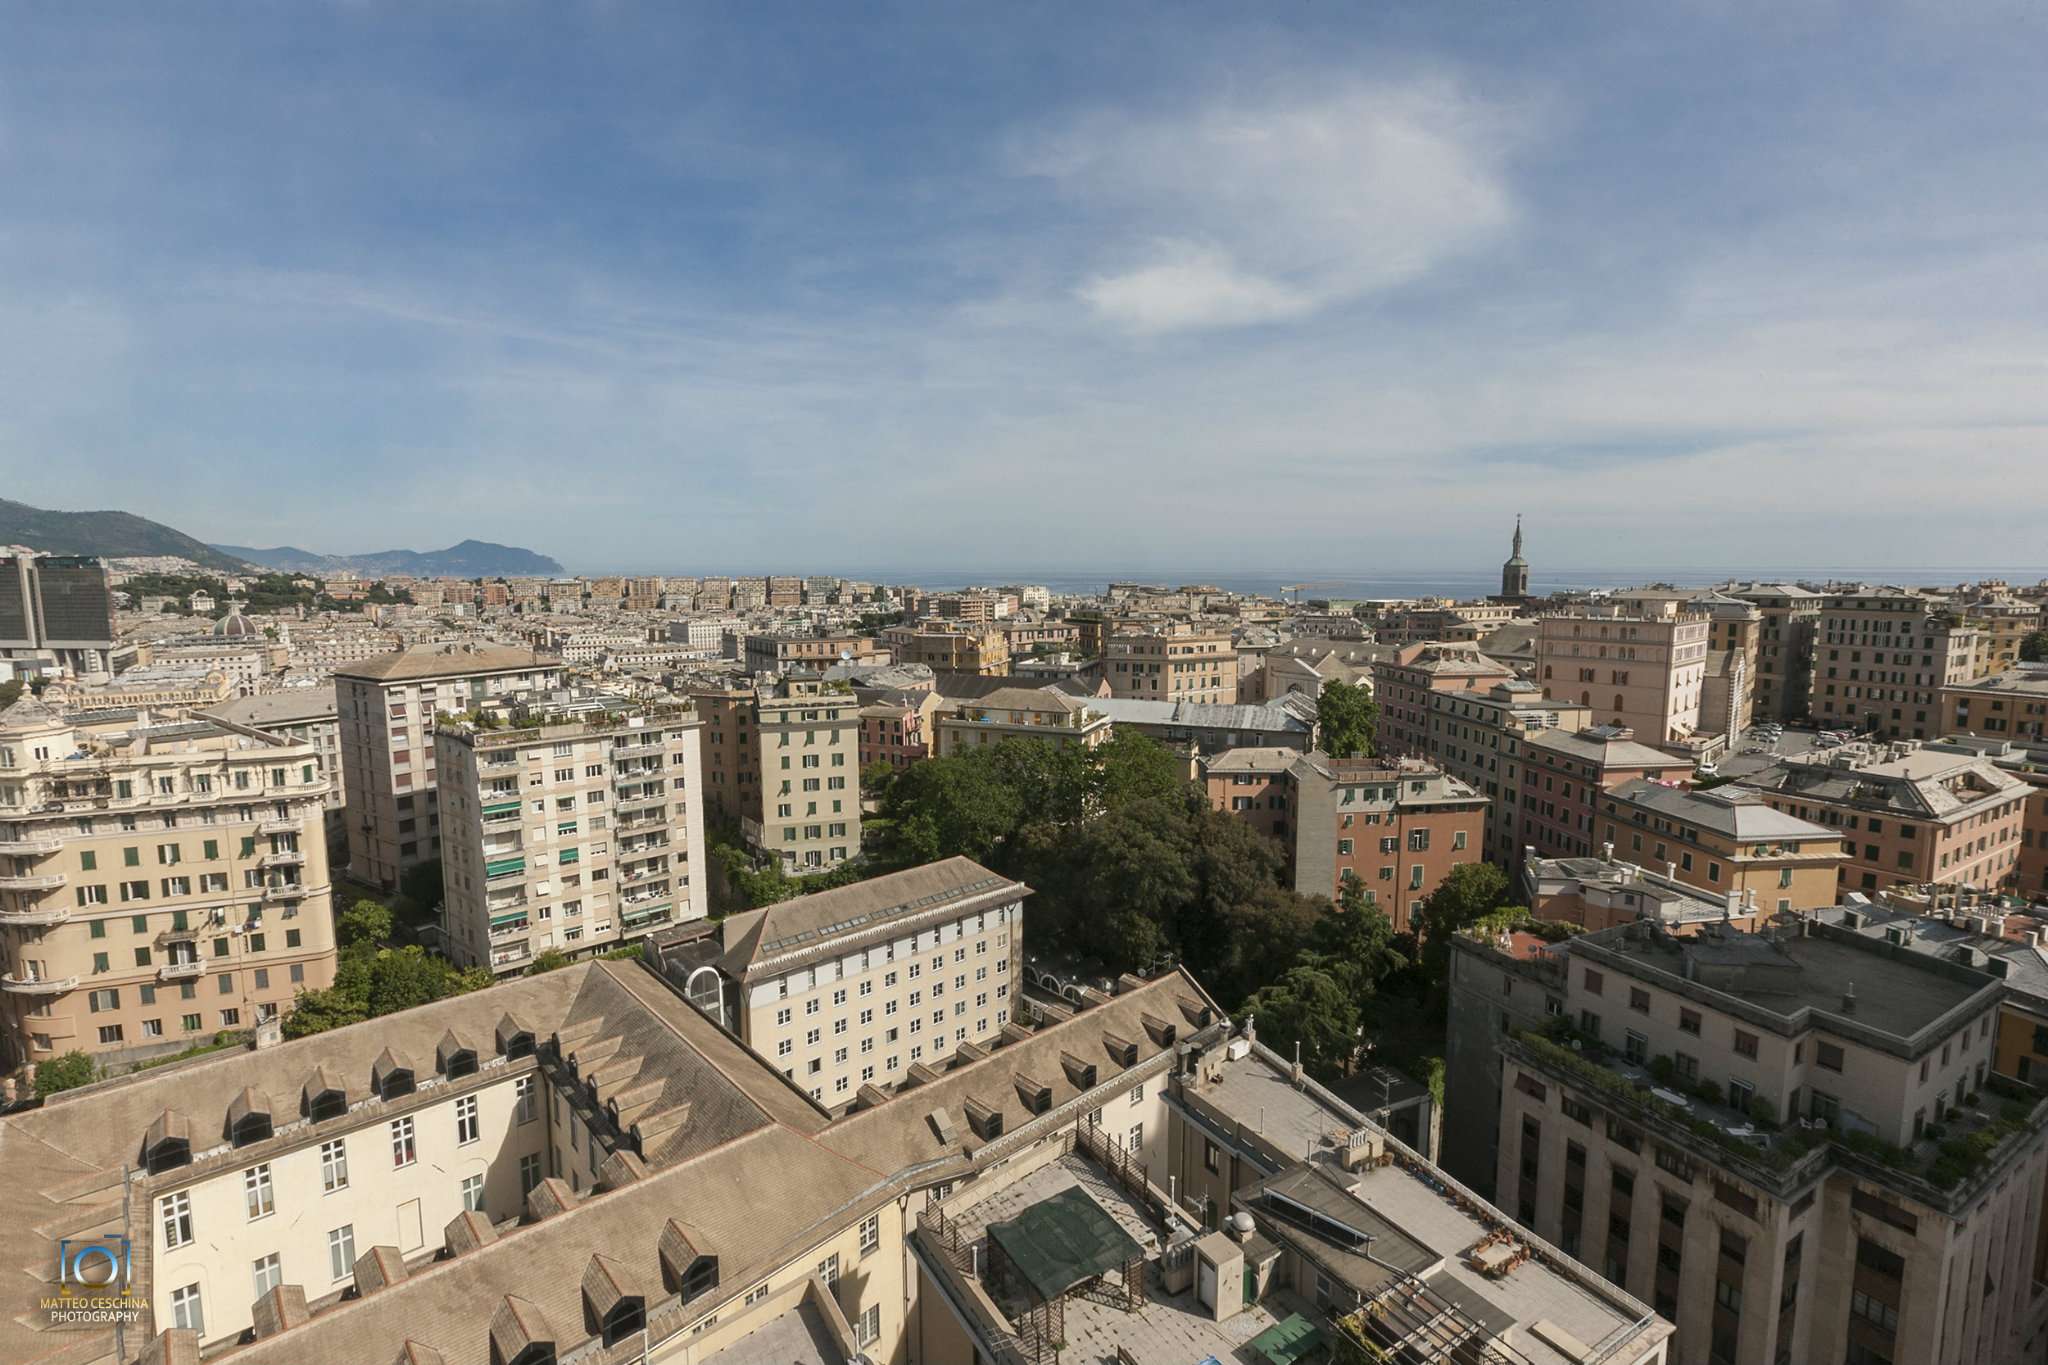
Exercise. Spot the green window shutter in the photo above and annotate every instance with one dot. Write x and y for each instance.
(248, 845)
(131, 856)
(88, 860)
(99, 928)
(99, 962)
(212, 848)
(139, 923)
(178, 919)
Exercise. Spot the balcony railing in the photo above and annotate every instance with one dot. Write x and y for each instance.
(512, 956)
(283, 891)
(33, 846)
(43, 881)
(284, 857)
(276, 825)
(180, 971)
(38, 985)
(41, 915)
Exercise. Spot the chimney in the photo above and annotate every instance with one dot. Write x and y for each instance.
(1607, 852)
(1849, 999)
(269, 1033)
(1671, 871)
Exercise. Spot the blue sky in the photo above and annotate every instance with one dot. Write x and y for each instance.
(1328, 288)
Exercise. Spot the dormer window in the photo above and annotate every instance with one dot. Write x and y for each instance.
(461, 1062)
(328, 1104)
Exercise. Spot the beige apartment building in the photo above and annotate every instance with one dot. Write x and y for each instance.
(2002, 624)
(857, 987)
(1727, 841)
(1041, 713)
(386, 708)
(2009, 705)
(782, 761)
(158, 883)
(1909, 813)
(1881, 659)
(573, 835)
(303, 715)
(1172, 663)
(1646, 672)
(950, 649)
(1784, 646)
(1793, 1145)
(1477, 737)
(774, 653)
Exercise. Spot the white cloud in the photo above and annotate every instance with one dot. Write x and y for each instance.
(1251, 212)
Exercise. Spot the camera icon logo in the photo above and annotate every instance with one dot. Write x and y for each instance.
(94, 1265)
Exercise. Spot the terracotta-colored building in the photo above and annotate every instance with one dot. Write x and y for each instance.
(2010, 705)
(1399, 827)
(1255, 786)
(1563, 774)
(1404, 684)
(1910, 813)
(897, 729)
(1643, 671)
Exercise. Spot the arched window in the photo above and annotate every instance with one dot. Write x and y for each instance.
(1619, 705)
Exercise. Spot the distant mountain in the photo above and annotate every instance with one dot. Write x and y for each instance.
(470, 559)
(104, 533)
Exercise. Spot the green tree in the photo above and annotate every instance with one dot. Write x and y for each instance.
(2034, 647)
(470, 979)
(10, 692)
(949, 807)
(1135, 767)
(318, 1011)
(401, 978)
(1308, 1006)
(549, 960)
(65, 1072)
(1349, 719)
(366, 921)
(419, 887)
(1468, 893)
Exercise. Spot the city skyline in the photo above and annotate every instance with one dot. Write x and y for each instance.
(628, 287)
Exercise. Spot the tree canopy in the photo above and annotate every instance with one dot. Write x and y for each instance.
(1349, 719)
(66, 1071)
(2034, 647)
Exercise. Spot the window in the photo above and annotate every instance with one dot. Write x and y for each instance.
(1827, 1056)
(267, 1274)
(1689, 1021)
(257, 1192)
(869, 1324)
(870, 1234)
(403, 1150)
(186, 1310)
(334, 1165)
(1745, 1044)
(473, 1194)
(1638, 1000)
(828, 1271)
(527, 1107)
(466, 1127)
(177, 1220)
(529, 1173)
(341, 1251)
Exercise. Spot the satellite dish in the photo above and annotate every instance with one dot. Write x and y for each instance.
(846, 656)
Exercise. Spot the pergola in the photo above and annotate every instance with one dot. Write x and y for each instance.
(1063, 1245)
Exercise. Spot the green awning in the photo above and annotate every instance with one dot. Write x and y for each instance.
(640, 914)
(1287, 1341)
(509, 917)
(498, 867)
(1063, 1241)
(570, 855)
(500, 807)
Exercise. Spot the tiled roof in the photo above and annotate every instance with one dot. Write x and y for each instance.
(447, 661)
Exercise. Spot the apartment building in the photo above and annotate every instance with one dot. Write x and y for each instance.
(2002, 623)
(896, 729)
(1255, 786)
(1645, 671)
(1040, 713)
(1398, 825)
(386, 708)
(778, 653)
(1477, 738)
(782, 761)
(572, 834)
(1792, 1144)
(303, 715)
(1784, 646)
(2008, 705)
(1727, 841)
(1909, 813)
(1179, 662)
(158, 883)
(950, 649)
(849, 989)
(1405, 685)
(59, 606)
(1563, 775)
(1881, 659)
(1204, 728)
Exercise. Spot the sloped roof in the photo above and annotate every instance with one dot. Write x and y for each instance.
(447, 661)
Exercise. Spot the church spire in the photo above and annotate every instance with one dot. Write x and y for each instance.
(1518, 535)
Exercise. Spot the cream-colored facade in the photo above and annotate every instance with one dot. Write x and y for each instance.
(1172, 663)
(1771, 1242)
(860, 985)
(569, 836)
(157, 884)
(1644, 671)
(386, 708)
(1881, 658)
(1044, 714)
(782, 760)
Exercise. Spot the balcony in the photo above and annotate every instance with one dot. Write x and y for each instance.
(170, 936)
(38, 917)
(635, 876)
(38, 985)
(31, 847)
(650, 746)
(45, 881)
(180, 971)
(274, 825)
(510, 956)
(284, 857)
(283, 891)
